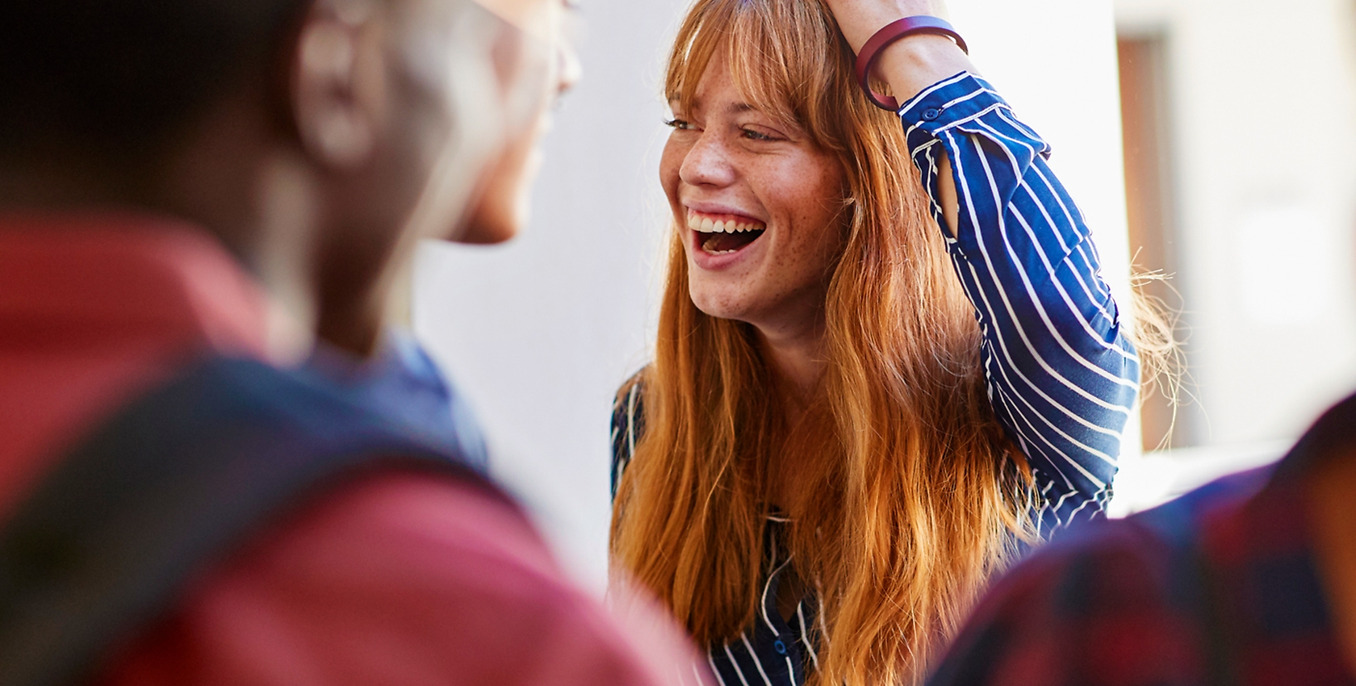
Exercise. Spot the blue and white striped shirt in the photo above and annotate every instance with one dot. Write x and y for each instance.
(1060, 376)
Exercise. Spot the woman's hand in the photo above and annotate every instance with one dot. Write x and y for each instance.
(908, 65)
(859, 19)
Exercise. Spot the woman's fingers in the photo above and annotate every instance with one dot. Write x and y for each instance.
(860, 19)
(908, 65)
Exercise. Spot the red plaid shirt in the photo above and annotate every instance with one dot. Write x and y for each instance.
(1218, 587)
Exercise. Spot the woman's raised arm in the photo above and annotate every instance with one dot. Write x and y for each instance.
(909, 66)
(1061, 376)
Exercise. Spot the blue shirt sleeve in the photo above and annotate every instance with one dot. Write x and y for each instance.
(1060, 375)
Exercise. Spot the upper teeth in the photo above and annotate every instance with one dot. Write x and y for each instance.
(706, 225)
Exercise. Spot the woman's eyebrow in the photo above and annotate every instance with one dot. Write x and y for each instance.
(688, 106)
(788, 127)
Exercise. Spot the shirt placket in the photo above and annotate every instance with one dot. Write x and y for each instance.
(783, 642)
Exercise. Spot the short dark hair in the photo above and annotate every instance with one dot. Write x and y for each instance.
(120, 75)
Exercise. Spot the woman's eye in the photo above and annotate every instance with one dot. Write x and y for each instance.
(678, 124)
(755, 135)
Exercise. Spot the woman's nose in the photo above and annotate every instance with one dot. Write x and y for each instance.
(707, 163)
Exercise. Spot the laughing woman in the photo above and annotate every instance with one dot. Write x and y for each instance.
(886, 361)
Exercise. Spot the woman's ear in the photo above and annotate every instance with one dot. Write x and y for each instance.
(335, 99)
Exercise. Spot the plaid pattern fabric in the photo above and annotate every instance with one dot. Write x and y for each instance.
(1219, 587)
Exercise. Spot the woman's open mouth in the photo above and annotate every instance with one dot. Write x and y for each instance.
(724, 235)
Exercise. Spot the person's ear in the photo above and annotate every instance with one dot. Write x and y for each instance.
(335, 104)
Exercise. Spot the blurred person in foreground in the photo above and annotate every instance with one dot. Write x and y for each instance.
(1248, 580)
(202, 180)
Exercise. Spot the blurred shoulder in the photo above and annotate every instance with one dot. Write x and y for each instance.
(396, 579)
(1071, 613)
(1110, 600)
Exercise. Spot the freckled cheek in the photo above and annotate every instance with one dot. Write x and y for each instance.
(815, 242)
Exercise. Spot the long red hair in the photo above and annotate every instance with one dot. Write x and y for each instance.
(913, 496)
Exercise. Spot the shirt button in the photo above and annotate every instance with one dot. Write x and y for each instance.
(931, 114)
(779, 647)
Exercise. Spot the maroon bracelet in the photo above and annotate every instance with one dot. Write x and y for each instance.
(895, 30)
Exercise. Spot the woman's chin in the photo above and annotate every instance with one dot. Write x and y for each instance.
(718, 307)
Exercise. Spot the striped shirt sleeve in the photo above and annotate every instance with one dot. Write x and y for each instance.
(1060, 375)
(628, 420)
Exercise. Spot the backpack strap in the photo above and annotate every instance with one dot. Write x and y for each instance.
(173, 484)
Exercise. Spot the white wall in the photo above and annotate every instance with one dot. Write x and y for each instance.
(540, 333)
(1263, 118)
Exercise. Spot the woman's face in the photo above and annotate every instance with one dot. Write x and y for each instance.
(758, 207)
